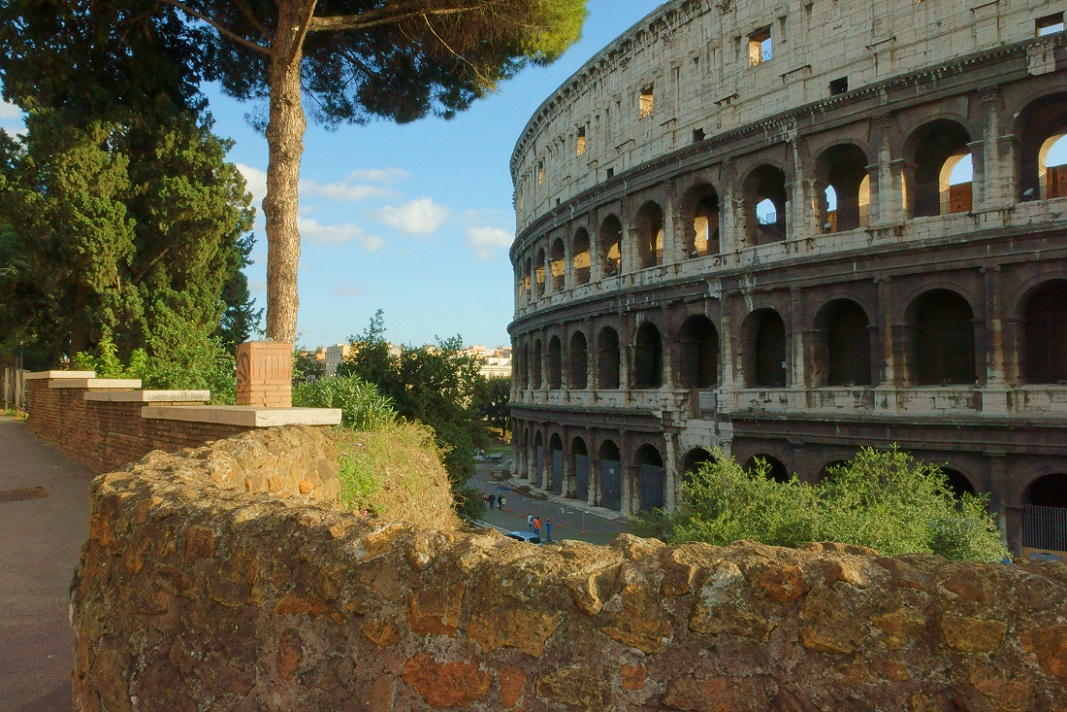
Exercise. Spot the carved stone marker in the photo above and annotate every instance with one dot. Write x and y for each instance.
(264, 374)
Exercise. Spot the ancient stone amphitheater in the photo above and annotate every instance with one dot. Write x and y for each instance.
(790, 229)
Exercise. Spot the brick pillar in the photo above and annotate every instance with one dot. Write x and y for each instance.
(265, 374)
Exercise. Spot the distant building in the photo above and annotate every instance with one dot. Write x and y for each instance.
(335, 355)
(497, 362)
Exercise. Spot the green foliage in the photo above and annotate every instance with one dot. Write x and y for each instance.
(469, 503)
(306, 367)
(491, 401)
(433, 385)
(883, 499)
(362, 406)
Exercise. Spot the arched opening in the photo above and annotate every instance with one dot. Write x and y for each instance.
(958, 482)
(764, 350)
(579, 361)
(524, 367)
(535, 374)
(528, 279)
(610, 476)
(843, 342)
(765, 205)
(693, 461)
(555, 444)
(650, 235)
(555, 365)
(611, 246)
(842, 170)
(776, 472)
(539, 459)
(1045, 334)
(944, 339)
(1042, 128)
(936, 149)
(648, 357)
(698, 345)
(539, 275)
(651, 479)
(580, 257)
(580, 467)
(608, 361)
(558, 265)
(700, 210)
(1045, 515)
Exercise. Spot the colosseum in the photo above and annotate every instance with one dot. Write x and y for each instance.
(790, 229)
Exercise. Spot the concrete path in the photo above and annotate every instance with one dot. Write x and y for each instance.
(39, 544)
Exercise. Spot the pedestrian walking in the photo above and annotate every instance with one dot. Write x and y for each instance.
(548, 529)
(537, 526)
(529, 522)
(492, 501)
(501, 502)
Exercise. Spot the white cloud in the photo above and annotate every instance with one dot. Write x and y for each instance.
(257, 182)
(379, 175)
(258, 286)
(337, 234)
(343, 191)
(347, 288)
(486, 240)
(421, 216)
(9, 112)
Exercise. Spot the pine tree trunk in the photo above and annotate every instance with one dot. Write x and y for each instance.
(285, 141)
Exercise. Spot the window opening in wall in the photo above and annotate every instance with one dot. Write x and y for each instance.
(581, 262)
(1045, 333)
(843, 345)
(611, 173)
(540, 172)
(830, 195)
(698, 135)
(766, 213)
(956, 195)
(764, 201)
(646, 101)
(760, 47)
(539, 275)
(648, 357)
(579, 142)
(841, 172)
(1052, 167)
(1049, 25)
(705, 239)
(579, 361)
(943, 339)
(555, 364)
(763, 350)
(839, 86)
(536, 366)
(558, 265)
(608, 359)
(936, 150)
(865, 201)
(650, 222)
(698, 346)
(611, 244)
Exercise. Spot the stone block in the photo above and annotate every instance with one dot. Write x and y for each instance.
(264, 374)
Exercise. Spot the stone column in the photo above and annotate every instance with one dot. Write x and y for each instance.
(265, 374)
(997, 164)
(670, 466)
(995, 388)
(887, 199)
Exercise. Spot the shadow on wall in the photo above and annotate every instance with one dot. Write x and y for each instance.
(226, 578)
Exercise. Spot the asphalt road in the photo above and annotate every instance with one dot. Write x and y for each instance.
(569, 521)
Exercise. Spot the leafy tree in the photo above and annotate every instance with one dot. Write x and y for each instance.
(434, 385)
(491, 398)
(307, 368)
(884, 499)
(355, 59)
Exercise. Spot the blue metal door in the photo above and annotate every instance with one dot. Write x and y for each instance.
(581, 477)
(611, 484)
(557, 471)
(650, 480)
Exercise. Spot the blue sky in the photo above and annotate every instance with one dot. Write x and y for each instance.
(415, 220)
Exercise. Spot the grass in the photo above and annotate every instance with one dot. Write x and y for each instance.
(395, 473)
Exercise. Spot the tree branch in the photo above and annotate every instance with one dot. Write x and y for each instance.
(218, 26)
(376, 18)
(305, 27)
(252, 19)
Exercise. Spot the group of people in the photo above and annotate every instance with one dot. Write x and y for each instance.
(494, 502)
(534, 525)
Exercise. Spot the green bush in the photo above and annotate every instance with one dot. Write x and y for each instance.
(883, 499)
(362, 406)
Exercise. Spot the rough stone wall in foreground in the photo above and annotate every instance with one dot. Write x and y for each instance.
(198, 591)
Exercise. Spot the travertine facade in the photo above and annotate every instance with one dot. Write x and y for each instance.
(751, 225)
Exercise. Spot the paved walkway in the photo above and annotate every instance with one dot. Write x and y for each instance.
(39, 544)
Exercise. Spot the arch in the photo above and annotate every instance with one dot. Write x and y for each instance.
(579, 456)
(700, 215)
(555, 447)
(611, 246)
(764, 350)
(651, 478)
(958, 483)
(558, 265)
(842, 170)
(580, 258)
(942, 339)
(610, 470)
(1044, 327)
(536, 370)
(648, 357)
(528, 279)
(777, 472)
(539, 274)
(649, 235)
(1044, 521)
(765, 205)
(693, 461)
(935, 148)
(698, 358)
(578, 361)
(843, 345)
(1041, 125)
(555, 364)
(608, 359)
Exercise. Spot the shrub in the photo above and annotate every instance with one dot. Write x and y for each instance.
(362, 406)
(883, 499)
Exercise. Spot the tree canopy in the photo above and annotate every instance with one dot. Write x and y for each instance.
(354, 60)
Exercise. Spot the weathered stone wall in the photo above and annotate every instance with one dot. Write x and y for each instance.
(197, 591)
